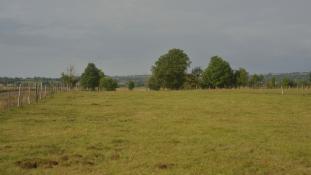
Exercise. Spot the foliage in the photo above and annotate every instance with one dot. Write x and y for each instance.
(139, 80)
(194, 80)
(108, 84)
(69, 78)
(131, 85)
(218, 74)
(288, 83)
(91, 77)
(271, 83)
(170, 69)
(256, 81)
(153, 83)
(241, 77)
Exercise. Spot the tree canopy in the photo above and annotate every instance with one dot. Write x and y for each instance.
(170, 69)
(218, 74)
(131, 85)
(108, 84)
(256, 80)
(153, 83)
(194, 79)
(91, 77)
(241, 77)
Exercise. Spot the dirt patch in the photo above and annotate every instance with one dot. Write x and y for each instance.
(65, 160)
(96, 147)
(69, 160)
(115, 156)
(36, 163)
(164, 166)
(6, 147)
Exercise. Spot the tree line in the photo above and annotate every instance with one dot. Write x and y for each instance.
(170, 71)
(91, 79)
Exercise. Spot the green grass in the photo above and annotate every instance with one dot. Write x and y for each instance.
(169, 132)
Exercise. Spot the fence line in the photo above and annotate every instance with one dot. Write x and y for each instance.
(25, 94)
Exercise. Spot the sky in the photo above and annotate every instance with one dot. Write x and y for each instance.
(126, 37)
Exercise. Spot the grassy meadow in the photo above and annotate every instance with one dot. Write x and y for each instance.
(216, 132)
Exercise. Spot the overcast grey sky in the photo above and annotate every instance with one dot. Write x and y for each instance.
(43, 37)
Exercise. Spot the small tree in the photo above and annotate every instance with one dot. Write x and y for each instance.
(108, 84)
(91, 77)
(131, 85)
(69, 78)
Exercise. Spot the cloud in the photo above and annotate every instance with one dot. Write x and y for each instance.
(42, 37)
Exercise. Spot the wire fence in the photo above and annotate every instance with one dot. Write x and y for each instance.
(25, 94)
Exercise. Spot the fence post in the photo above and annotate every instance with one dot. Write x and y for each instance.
(37, 97)
(28, 98)
(282, 90)
(19, 96)
(9, 101)
(40, 91)
(45, 91)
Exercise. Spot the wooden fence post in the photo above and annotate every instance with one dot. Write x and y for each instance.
(37, 95)
(28, 98)
(40, 95)
(45, 91)
(19, 95)
(9, 98)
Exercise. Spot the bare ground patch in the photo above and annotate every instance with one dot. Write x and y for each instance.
(36, 163)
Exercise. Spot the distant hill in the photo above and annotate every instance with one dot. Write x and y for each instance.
(296, 76)
(139, 80)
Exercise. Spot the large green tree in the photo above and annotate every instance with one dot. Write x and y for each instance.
(91, 77)
(218, 74)
(241, 77)
(170, 69)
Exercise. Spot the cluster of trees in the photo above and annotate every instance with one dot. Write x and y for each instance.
(92, 78)
(170, 72)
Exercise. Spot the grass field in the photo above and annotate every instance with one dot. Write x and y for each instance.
(170, 132)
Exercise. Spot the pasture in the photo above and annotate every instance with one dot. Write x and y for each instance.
(200, 132)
